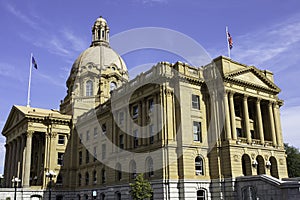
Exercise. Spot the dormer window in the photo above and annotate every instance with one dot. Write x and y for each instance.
(89, 88)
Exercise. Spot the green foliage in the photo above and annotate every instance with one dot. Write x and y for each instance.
(293, 161)
(141, 188)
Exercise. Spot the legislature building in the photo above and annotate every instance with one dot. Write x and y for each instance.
(195, 132)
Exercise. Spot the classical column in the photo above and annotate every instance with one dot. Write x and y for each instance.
(277, 124)
(271, 116)
(232, 116)
(8, 165)
(26, 173)
(14, 159)
(246, 119)
(227, 117)
(260, 122)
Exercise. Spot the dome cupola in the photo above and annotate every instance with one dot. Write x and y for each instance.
(100, 32)
(96, 72)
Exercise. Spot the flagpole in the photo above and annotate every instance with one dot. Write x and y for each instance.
(29, 81)
(228, 47)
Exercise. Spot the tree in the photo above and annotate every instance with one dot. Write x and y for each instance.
(141, 188)
(293, 160)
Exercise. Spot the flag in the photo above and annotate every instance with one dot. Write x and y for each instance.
(34, 62)
(229, 40)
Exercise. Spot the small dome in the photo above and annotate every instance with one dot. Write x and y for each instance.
(101, 19)
(102, 57)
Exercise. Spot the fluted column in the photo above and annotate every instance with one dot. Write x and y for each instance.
(277, 125)
(271, 116)
(26, 173)
(232, 116)
(227, 117)
(260, 122)
(246, 119)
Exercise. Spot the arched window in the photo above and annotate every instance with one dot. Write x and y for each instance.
(103, 174)
(118, 196)
(246, 165)
(132, 168)
(118, 172)
(149, 165)
(89, 88)
(112, 85)
(200, 194)
(79, 179)
(87, 178)
(260, 165)
(274, 167)
(95, 177)
(199, 166)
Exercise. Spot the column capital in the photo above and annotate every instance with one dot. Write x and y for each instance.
(271, 103)
(231, 93)
(245, 97)
(258, 100)
(29, 133)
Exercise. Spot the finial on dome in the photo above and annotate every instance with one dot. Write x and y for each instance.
(100, 32)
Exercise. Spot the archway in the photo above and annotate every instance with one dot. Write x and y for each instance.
(246, 165)
(274, 167)
(260, 165)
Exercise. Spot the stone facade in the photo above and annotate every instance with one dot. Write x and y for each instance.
(212, 132)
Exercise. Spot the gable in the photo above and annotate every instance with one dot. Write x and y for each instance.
(14, 117)
(252, 76)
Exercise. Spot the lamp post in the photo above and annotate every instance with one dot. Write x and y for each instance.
(50, 174)
(15, 182)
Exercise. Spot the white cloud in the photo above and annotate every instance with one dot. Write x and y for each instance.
(258, 47)
(22, 17)
(290, 119)
(78, 44)
(10, 71)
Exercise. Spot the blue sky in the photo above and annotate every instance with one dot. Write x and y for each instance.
(265, 34)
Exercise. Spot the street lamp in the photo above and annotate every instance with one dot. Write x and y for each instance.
(15, 182)
(50, 174)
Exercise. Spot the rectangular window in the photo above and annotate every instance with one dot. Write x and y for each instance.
(87, 156)
(121, 141)
(239, 132)
(121, 118)
(104, 128)
(135, 112)
(197, 131)
(61, 139)
(80, 138)
(87, 135)
(60, 159)
(95, 154)
(151, 105)
(80, 157)
(135, 139)
(151, 133)
(195, 102)
(103, 151)
(95, 132)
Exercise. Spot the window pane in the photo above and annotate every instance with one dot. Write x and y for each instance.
(195, 102)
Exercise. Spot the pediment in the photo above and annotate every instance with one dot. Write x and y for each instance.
(252, 76)
(14, 117)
